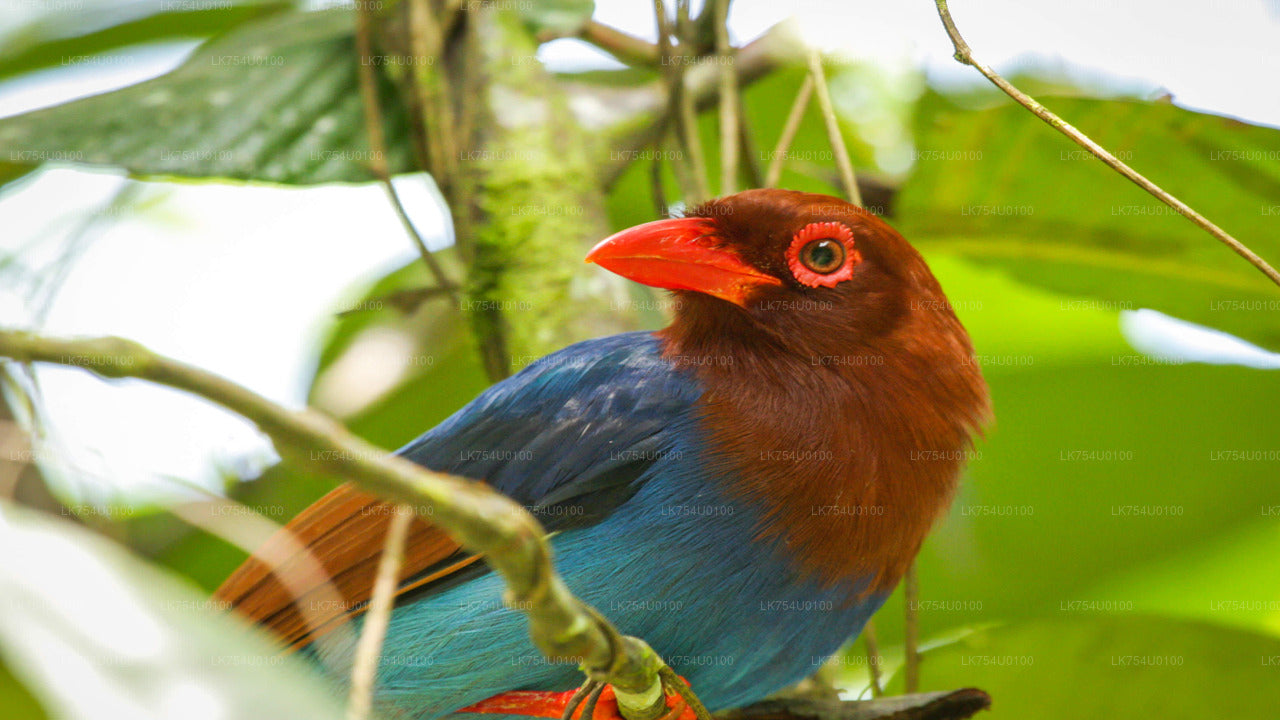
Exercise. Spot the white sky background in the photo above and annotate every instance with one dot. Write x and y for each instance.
(198, 275)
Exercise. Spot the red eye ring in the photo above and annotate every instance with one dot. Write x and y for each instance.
(822, 231)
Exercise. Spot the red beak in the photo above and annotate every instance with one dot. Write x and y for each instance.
(680, 254)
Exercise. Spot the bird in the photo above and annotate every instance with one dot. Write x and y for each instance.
(742, 489)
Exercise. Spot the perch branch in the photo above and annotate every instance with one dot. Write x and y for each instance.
(484, 521)
(952, 705)
(965, 56)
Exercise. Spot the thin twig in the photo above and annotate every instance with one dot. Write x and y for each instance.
(656, 190)
(911, 631)
(688, 114)
(776, 48)
(378, 145)
(692, 180)
(965, 56)
(292, 564)
(833, 129)
(433, 92)
(873, 658)
(728, 102)
(789, 130)
(482, 520)
(747, 146)
(369, 648)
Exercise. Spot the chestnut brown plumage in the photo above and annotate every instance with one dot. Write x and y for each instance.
(788, 440)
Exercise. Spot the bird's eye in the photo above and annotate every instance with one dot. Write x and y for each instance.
(822, 254)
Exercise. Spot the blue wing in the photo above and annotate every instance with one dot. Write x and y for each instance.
(571, 435)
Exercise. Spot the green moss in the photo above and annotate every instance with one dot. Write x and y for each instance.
(540, 207)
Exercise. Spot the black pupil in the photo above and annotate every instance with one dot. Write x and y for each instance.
(824, 256)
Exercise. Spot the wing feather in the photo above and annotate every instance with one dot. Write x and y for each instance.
(580, 428)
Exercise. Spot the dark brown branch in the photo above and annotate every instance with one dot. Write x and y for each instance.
(627, 48)
(925, 706)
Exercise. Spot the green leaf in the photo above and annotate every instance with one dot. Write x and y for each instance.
(1102, 472)
(1114, 667)
(50, 42)
(1228, 587)
(93, 632)
(555, 18)
(276, 100)
(16, 699)
(1001, 187)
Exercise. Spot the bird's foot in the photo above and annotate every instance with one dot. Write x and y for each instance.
(593, 701)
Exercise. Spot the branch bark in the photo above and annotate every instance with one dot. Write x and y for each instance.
(378, 146)
(925, 706)
(481, 519)
(636, 129)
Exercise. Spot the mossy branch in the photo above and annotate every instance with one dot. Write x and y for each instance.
(481, 519)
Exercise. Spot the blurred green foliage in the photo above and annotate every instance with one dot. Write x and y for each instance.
(1112, 550)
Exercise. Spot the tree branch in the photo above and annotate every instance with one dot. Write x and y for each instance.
(925, 706)
(635, 128)
(965, 56)
(627, 48)
(484, 521)
(378, 146)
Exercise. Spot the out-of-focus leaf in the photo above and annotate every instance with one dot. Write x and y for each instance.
(556, 17)
(16, 700)
(1093, 472)
(1127, 462)
(12, 171)
(276, 100)
(52, 42)
(94, 633)
(1225, 580)
(1001, 187)
(1119, 667)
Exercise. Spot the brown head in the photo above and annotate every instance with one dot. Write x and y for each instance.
(840, 385)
